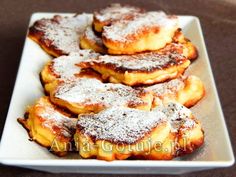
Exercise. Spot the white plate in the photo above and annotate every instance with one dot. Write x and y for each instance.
(16, 150)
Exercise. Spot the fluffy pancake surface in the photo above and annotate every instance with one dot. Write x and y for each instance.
(49, 126)
(143, 68)
(184, 90)
(83, 95)
(144, 32)
(118, 132)
(59, 35)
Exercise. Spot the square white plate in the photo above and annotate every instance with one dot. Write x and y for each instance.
(15, 149)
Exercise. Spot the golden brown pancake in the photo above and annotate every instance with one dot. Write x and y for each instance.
(189, 49)
(49, 126)
(60, 35)
(143, 68)
(84, 95)
(184, 90)
(93, 41)
(119, 132)
(186, 134)
(111, 14)
(144, 32)
(64, 67)
(90, 40)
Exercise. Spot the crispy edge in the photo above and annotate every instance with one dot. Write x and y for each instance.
(191, 50)
(37, 37)
(24, 122)
(136, 77)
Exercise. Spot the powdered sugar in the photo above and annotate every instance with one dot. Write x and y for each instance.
(56, 121)
(64, 32)
(91, 36)
(189, 123)
(65, 67)
(169, 87)
(123, 29)
(115, 12)
(143, 62)
(119, 124)
(126, 125)
(177, 115)
(88, 91)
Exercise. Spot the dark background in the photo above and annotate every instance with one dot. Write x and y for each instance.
(218, 20)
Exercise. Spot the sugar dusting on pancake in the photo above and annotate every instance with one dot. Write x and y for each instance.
(169, 87)
(148, 61)
(63, 32)
(53, 119)
(90, 91)
(119, 124)
(127, 125)
(178, 116)
(115, 12)
(65, 66)
(125, 30)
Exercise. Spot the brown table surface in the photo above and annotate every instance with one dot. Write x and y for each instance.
(218, 20)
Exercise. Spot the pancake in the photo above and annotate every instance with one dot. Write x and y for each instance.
(49, 126)
(119, 132)
(64, 67)
(189, 49)
(60, 35)
(184, 90)
(84, 95)
(144, 32)
(186, 134)
(90, 40)
(111, 14)
(143, 68)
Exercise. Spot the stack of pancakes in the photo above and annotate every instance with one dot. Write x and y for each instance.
(116, 89)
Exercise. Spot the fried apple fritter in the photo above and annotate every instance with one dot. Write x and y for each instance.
(49, 126)
(64, 67)
(144, 32)
(84, 95)
(60, 35)
(143, 68)
(186, 134)
(184, 90)
(113, 13)
(119, 132)
(90, 40)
